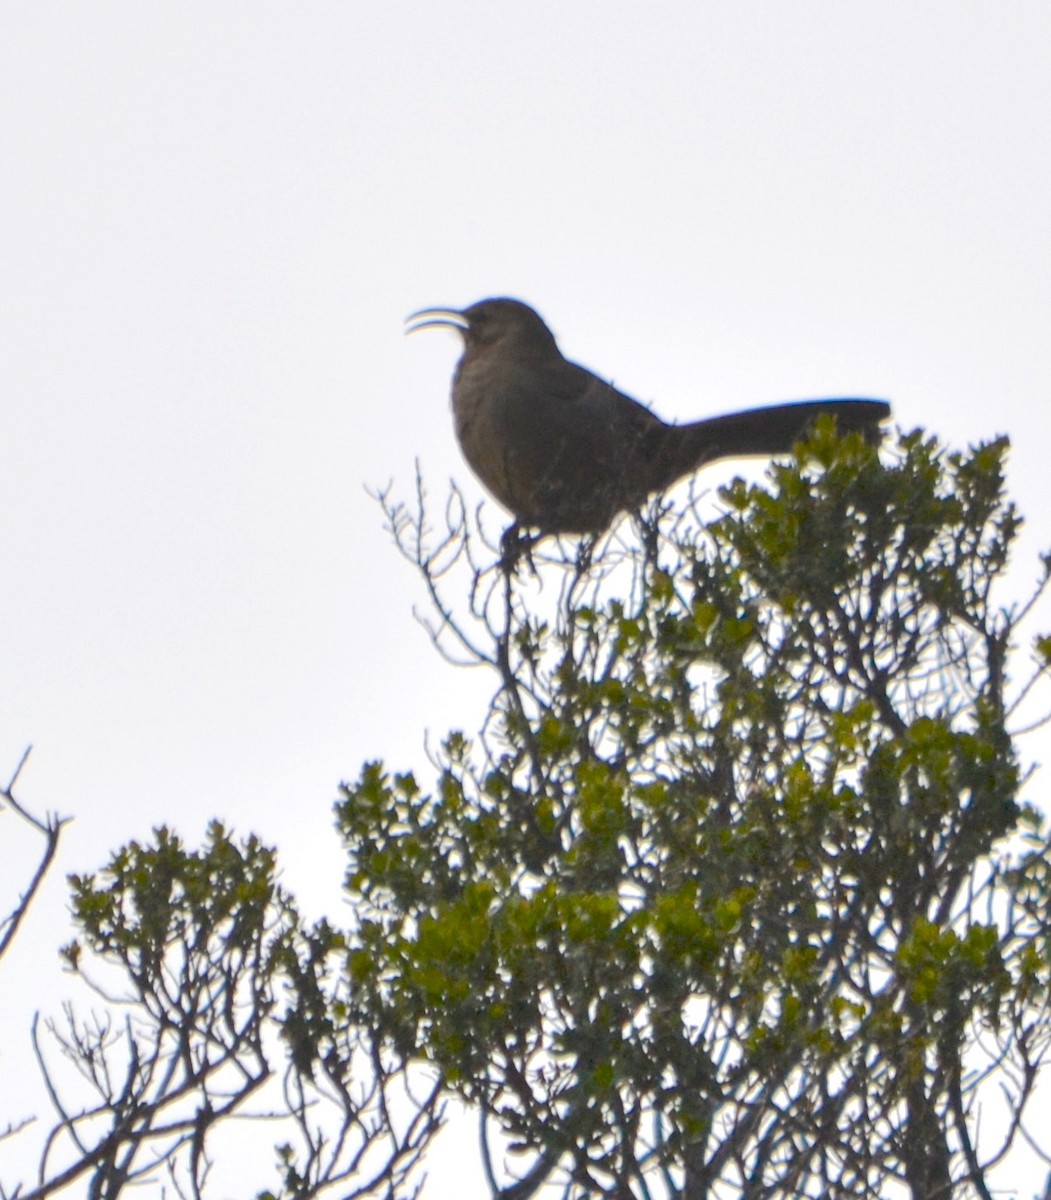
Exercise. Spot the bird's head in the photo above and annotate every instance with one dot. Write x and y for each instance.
(503, 322)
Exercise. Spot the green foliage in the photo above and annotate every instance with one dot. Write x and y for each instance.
(151, 897)
(727, 887)
(225, 992)
(736, 892)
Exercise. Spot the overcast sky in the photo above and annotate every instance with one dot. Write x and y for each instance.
(214, 218)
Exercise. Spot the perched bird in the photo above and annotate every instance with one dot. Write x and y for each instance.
(563, 450)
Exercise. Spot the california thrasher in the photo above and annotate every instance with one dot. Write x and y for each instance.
(566, 452)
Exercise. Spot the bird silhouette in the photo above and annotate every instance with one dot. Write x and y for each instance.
(565, 452)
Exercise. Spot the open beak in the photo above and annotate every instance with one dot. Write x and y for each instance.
(428, 317)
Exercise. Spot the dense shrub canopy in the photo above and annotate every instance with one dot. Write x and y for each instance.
(733, 885)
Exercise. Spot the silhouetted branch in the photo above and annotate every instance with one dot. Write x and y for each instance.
(50, 828)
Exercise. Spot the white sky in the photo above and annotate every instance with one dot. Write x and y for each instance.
(213, 219)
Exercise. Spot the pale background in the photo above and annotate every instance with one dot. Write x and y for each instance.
(213, 219)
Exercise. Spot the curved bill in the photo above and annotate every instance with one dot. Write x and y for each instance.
(428, 317)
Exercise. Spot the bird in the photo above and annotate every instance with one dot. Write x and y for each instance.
(564, 451)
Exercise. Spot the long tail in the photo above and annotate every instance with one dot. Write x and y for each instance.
(756, 431)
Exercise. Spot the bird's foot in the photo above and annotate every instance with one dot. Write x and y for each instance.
(515, 545)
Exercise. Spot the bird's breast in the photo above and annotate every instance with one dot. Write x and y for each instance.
(499, 428)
